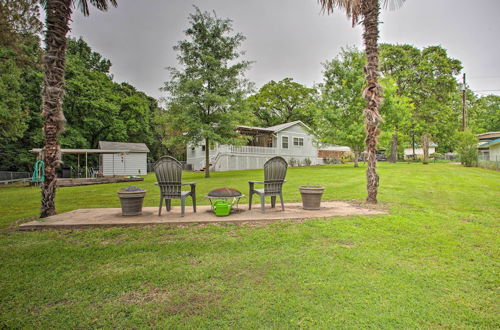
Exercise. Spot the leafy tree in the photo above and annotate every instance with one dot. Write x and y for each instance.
(341, 121)
(484, 114)
(12, 116)
(396, 112)
(19, 21)
(98, 108)
(467, 148)
(367, 13)
(434, 112)
(283, 101)
(20, 64)
(204, 96)
(58, 15)
(87, 58)
(427, 78)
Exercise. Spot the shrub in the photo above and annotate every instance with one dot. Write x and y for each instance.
(467, 148)
(332, 160)
(307, 161)
(348, 157)
(292, 162)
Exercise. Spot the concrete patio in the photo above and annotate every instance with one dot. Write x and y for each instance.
(111, 217)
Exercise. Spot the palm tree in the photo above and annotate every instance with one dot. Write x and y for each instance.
(58, 15)
(367, 12)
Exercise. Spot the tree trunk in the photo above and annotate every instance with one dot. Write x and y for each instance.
(413, 145)
(425, 147)
(207, 158)
(57, 20)
(371, 93)
(356, 156)
(394, 148)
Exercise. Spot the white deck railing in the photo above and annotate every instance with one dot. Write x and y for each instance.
(220, 150)
(247, 150)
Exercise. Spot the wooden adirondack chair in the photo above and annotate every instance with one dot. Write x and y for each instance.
(168, 172)
(274, 177)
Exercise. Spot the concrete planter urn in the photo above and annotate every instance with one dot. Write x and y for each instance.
(131, 199)
(311, 197)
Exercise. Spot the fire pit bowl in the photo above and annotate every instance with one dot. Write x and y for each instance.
(230, 195)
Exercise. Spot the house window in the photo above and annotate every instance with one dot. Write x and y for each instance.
(298, 142)
(202, 148)
(284, 142)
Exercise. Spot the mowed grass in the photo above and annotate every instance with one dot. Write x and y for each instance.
(431, 263)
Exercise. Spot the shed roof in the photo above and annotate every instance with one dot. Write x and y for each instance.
(130, 147)
(83, 151)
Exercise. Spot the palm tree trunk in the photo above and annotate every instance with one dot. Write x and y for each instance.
(207, 158)
(371, 93)
(58, 15)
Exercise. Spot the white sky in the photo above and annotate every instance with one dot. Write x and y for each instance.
(289, 38)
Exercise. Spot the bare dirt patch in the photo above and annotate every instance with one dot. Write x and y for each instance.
(149, 295)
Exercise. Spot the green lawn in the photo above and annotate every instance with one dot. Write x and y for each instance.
(431, 263)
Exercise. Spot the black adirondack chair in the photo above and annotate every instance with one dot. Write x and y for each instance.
(168, 172)
(274, 177)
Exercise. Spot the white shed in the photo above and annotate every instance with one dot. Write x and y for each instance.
(130, 158)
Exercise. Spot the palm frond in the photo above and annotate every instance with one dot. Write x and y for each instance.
(102, 5)
(392, 4)
(351, 7)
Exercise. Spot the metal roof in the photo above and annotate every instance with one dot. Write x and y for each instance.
(488, 135)
(275, 128)
(84, 151)
(253, 128)
(489, 144)
(280, 127)
(131, 147)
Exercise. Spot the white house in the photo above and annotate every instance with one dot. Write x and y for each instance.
(292, 141)
(130, 158)
(419, 152)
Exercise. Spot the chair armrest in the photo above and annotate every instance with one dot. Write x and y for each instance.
(188, 184)
(252, 182)
(156, 183)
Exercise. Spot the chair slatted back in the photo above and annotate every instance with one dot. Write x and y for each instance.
(168, 172)
(274, 174)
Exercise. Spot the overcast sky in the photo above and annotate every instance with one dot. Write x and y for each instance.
(289, 38)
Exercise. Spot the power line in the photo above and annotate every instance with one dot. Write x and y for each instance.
(486, 90)
(484, 77)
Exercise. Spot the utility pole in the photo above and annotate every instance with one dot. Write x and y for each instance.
(464, 123)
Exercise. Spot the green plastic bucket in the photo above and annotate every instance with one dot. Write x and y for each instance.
(222, 208)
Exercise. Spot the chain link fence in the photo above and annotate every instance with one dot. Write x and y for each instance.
(485, 161)
(8, 177)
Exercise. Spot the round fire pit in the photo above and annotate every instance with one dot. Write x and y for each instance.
(229, 194)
